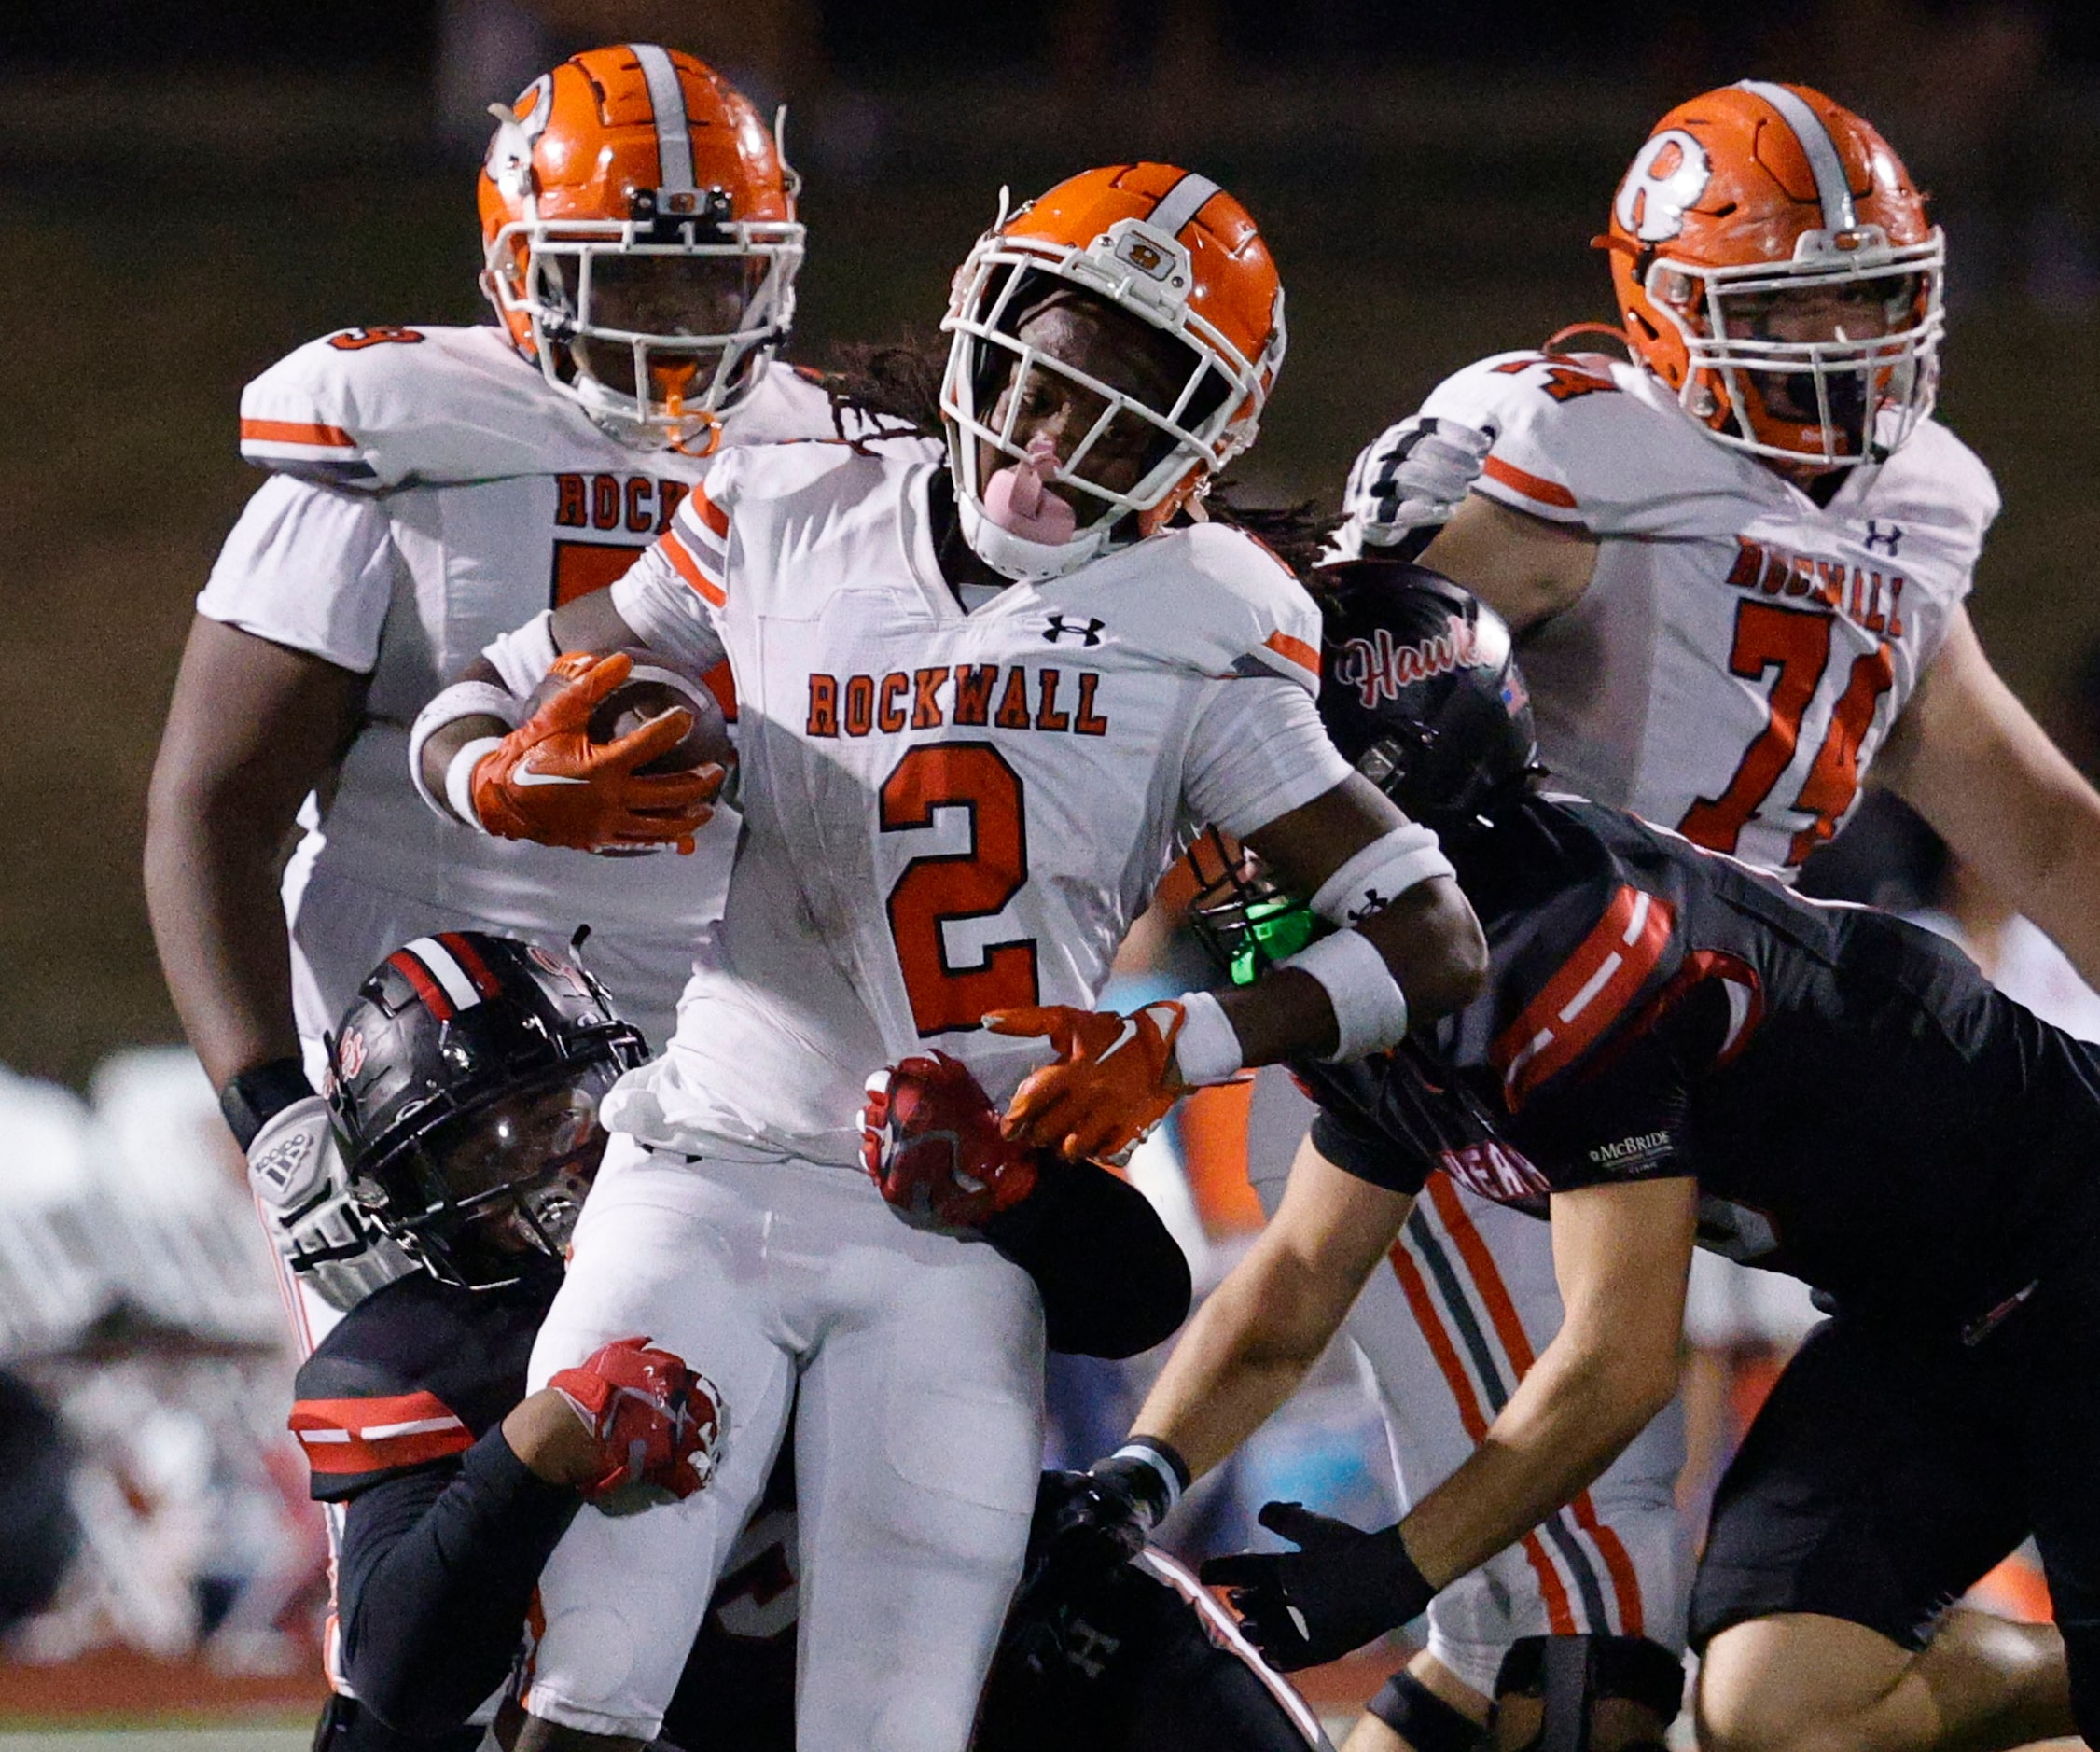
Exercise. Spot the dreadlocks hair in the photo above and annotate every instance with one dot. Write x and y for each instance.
(1295, 533)
(886, 389)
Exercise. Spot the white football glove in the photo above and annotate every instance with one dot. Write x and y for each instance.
(1406, 482)
(295, 1167)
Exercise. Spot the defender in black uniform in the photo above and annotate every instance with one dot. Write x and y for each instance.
(1671, 1049)
(468, 1093)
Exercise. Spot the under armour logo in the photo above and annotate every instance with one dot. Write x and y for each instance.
(1088, 632)
(1372, 903)
(1888, 539)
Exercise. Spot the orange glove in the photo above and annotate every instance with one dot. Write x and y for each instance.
(1114, 1081)
(549, 782)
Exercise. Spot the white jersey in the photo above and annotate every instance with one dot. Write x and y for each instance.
(429, 490)
(945, 813)
(1740, 652)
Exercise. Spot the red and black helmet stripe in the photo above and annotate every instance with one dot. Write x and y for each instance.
(447, 973)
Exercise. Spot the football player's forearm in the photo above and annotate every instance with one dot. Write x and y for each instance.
(1431, 943)
(437, 1582)
(1569, 1418)
(218, 923)
(1244, 1355)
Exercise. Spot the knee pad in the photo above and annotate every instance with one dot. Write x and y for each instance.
(1585, 1694)
(1428, 1724)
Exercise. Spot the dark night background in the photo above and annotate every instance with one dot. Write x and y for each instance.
(188, 191)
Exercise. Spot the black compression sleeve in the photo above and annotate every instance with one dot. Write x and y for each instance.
(436, 1574)
(1113, 1280)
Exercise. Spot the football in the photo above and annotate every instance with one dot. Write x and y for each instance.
(652, 688)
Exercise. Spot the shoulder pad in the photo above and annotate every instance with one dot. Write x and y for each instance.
(1570, 972)
(1937, 479)
(1577, 442)
(381, 408)
(1213, 598)
(416, 1372)
(790, 403)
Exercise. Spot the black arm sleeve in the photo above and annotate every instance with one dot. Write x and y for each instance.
(1113, 1280)
(437, 1573)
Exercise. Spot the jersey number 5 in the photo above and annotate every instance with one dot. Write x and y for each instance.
(1798, 645)
(945, 888)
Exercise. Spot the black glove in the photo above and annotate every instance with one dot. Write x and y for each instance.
(1099, 1518)
(1342, 1587)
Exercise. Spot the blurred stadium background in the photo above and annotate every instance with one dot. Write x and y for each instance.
(185, 193)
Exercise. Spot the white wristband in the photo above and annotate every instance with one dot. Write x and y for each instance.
(523, 655)
(463, 699)
(459, 780)
(1369, 1008)
(1206, 1050)
(1150, 1456)
(1378, 875)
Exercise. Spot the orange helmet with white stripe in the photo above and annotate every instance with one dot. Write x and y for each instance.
(1175, 252)
(1755, 199)
(640, 239)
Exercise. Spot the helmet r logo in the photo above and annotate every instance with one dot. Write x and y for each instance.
(1670, 172)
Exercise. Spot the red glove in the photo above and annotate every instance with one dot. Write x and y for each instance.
(1114, 1081)
(657, 1422)
(930, 1139)
(549, 782)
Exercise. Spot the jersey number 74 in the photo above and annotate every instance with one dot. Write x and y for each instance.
(1798, 645)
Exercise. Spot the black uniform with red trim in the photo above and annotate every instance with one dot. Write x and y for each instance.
(1862, 1110)
(446, 1532)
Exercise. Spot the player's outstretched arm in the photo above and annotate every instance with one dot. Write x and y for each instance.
(1406, 947)
(1255, 1335)
(1241, 1357)
(1970, 758)
(1622, 1254)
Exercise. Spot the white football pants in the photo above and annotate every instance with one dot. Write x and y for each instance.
(1445, 1329)
(914, 1365)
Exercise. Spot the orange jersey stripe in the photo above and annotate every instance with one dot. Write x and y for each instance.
(689, 568)
(1297, 651)
(295, 432)
(1531, 486)
(1551, 1588)
(709, 513)
(1586, 997)
(1516, 1346)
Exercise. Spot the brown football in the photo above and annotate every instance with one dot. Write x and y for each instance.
(654, 688)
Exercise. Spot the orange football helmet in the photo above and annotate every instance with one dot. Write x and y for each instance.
(640, 239)
(1173, 250)
(1748, 196)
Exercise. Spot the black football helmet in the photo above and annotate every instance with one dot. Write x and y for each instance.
(1420, 690)
(1421, 693)
(465, 1078)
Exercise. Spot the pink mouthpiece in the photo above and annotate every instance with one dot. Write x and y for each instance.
(1017, 501)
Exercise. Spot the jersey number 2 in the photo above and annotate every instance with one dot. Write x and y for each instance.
(1799, 645)
(944, 888)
